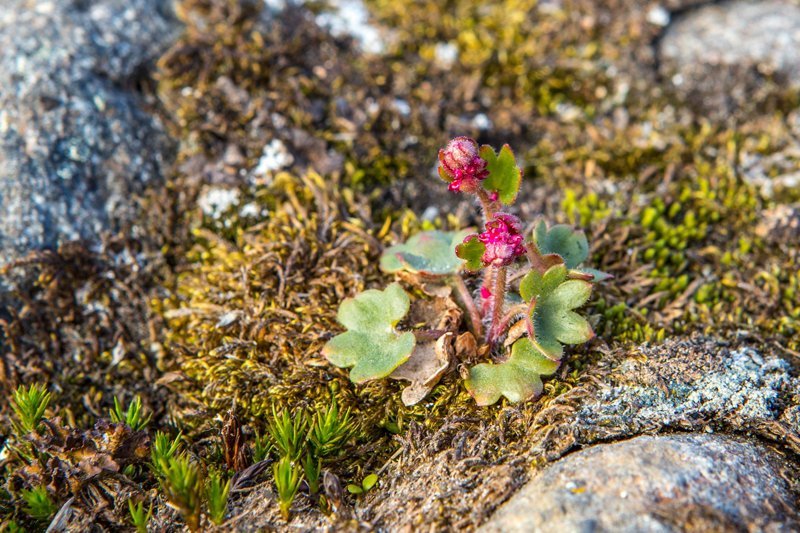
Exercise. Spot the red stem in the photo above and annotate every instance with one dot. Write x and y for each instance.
(511, 313)
(469, 305)
(535, 257)
(529, 319)
(498, 298)
(487, 204)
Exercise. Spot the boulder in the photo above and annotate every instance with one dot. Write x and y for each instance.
(691, 482)
(76, 140)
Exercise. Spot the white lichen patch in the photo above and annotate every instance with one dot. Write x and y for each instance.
(274, 157)
(216, 201)
(351, 17)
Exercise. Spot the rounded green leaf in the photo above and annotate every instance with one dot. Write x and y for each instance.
(518, 378)
(369, 481)
(371, 345)
(562, 240)
(429, 252)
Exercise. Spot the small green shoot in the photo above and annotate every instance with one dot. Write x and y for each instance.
(38, 504)
(11, 527)
(183, 488)
(162, 451)
(287, 480)
(139, 518)
(312, 467)
(288, 432)
(366, 484)
(217, 496)
(29, 406)
(133, 416)
(330, 430)
(262, 446)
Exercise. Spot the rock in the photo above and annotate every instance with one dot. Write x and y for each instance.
(689, 385)
(75, 140)
(720, 55)
(665, 483)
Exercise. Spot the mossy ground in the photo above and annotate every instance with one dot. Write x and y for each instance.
(210, 313)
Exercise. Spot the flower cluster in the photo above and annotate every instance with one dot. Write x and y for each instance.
(503, 240)
(460, 163)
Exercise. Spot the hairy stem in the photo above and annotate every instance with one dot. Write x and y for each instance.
(487, 204)
(510, 314)
(486, 287)
(535, 258)
(529, 319)
(498, 298)
(469, 305)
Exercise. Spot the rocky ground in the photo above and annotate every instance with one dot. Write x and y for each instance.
(189, 190)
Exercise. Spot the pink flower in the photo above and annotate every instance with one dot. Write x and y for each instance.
(503, 240)
(460, 163)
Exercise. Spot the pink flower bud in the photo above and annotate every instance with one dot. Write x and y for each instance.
(503, 240)
(461, 163)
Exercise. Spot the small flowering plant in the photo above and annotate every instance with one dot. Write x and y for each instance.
(531, 283)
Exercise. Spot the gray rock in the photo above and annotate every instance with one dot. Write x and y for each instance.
(75, 140)
(694, 384)
(719, 55)
(658, 484)
(688, 386)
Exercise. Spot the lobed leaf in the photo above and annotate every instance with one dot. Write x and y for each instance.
(471, 251)
(518, 378)
(505, 176)
(430, 253)
(371, 345)
(554, 321)
(571, 245)
(536, 285)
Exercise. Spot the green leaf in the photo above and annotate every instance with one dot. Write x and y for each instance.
(369, 482)
(518, 378)
(371, 345)
(554, 322)
(430, 252)
(562, 240)
(471, 251)
(354, 489)
(504, 174)
(535, 285)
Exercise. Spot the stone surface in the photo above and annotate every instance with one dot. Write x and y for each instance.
(689, 385)
(75, 140)
(665, 483)
(719, 54)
